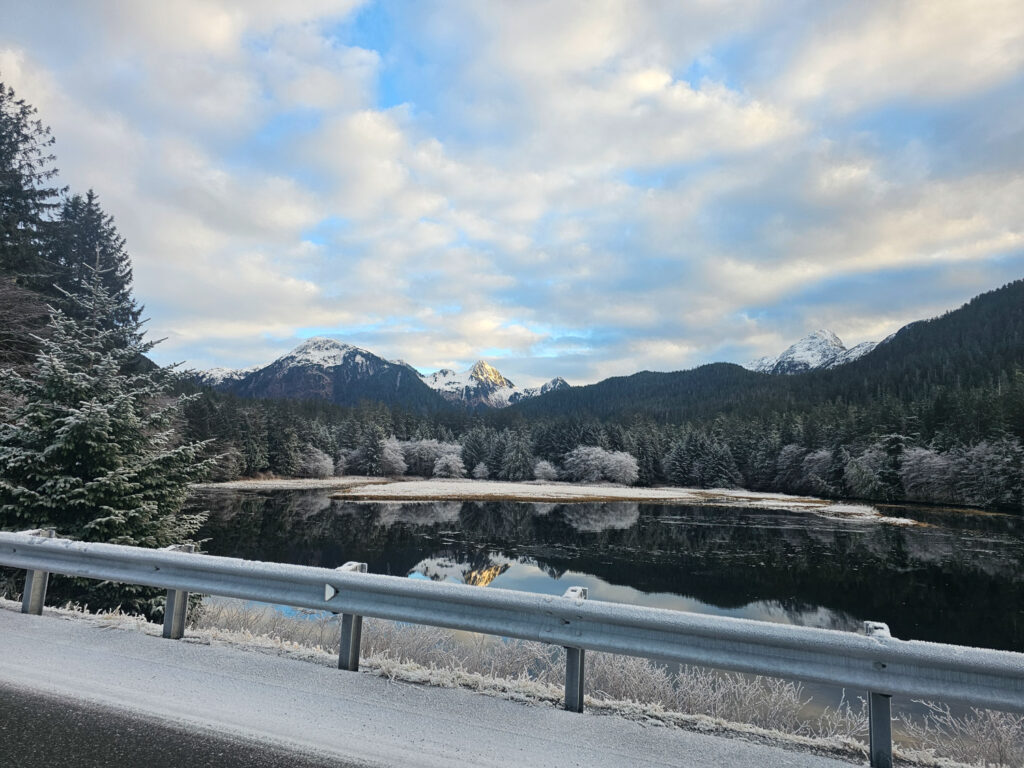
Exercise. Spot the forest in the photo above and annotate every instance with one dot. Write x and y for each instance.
(935, 414)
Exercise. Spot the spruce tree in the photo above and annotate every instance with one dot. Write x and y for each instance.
(88, 445)
(26, 194)
(83, 242)
(517, 461)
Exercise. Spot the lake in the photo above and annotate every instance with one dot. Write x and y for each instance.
(955, 577)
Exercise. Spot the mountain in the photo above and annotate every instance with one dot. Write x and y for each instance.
(821, 349)
(484, 386)
(935, 363)
(325, 369)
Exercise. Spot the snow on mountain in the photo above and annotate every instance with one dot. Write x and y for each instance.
(326, 353)
(324, 368)
(483, 384)
(821, 349)
(214, 377)
(853, 353)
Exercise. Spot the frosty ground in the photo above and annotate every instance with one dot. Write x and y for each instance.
(355, 488)
(313, 709)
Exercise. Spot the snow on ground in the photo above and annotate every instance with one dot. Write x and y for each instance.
(492, 490)
(290, 483)
(250, 665)
(267, 692)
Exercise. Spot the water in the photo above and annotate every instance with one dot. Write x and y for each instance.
(956, 577)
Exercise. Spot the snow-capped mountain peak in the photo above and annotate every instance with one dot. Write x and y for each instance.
(324, 352)
(487, 374)
(483, 384)
(821, 349)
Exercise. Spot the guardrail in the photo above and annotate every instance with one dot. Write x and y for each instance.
(874, 662)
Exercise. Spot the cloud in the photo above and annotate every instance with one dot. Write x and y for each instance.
(580, 188)
(915, 50)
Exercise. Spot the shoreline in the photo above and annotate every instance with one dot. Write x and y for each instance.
(377, 489)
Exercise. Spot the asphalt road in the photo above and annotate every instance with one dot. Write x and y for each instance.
(38, 731)
(110, 696)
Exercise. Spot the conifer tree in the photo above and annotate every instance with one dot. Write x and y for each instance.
(88, 444)
(517, 461)
(83, 242)
(26, 172)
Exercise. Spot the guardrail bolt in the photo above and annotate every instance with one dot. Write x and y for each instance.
(351, 628)
(176, 607)
(575, 661)
(879, 711)
(34, 594)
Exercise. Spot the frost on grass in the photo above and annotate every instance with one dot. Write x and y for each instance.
(762, 708)
(757, 708)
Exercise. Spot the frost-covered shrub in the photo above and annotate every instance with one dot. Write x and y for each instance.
(980, 737)
(862, 474)
(422, 455)
(314, 463)
(480, 471)
(584, 464)
(392, 458)
(545, 470)
(590, 464)
(620, 467)
(449, 465)
(927, 475)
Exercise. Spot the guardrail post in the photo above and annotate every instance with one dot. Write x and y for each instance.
(176, 607)
(879, 711)
(575, 663)
(34, 594)
(351, 628)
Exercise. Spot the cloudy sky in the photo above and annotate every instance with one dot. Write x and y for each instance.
(566, 188)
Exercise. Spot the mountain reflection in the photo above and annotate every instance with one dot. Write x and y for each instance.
(958, 579)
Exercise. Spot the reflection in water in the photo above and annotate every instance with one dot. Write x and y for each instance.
(957, 579)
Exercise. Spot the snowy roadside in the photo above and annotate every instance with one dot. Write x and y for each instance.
(521, 690)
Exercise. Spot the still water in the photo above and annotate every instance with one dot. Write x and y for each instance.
(954, 577)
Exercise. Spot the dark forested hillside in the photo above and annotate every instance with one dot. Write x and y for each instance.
(931, 361)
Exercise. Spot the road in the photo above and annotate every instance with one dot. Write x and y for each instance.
(116, 697)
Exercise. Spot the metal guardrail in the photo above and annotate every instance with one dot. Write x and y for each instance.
(873, 662)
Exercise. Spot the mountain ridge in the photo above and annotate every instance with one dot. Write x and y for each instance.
(327, 369)
(820, 349)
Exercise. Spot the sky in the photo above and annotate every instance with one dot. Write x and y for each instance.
(577, 189)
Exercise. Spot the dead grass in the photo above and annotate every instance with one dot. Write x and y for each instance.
(691, 697)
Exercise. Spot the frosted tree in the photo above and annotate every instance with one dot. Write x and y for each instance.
(584, 464)
(422, 455)
(517, 461)
(368, 457)
(545, 470)
(88, 445)
(590, 464)
(449, 465)
(620, 467)
(678, 464)
(480, 471)
(927, 476)
(392, 459)
(315, 463)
